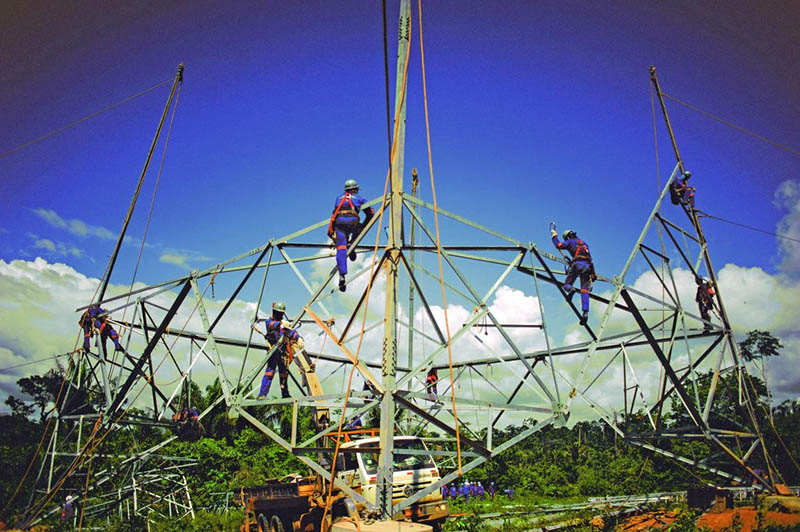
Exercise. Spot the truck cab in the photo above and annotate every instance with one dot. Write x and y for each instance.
(412, 472)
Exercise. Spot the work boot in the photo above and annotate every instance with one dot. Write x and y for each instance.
(342, 283)
(706, 328)
(285, 393)
(261, 397)
(584, 317)
(352, 255)
(119, 348)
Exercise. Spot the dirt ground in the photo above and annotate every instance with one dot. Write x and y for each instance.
(747, 514)
(716, 522)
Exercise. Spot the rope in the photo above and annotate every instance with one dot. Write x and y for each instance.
(438, 241)
(86, 488)
(732, 125)
(706, 215)
(213, 281)
(369, 285)
(9, 368)
(84, 119)
(153, 200)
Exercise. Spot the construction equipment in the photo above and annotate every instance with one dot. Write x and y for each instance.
(298, 503)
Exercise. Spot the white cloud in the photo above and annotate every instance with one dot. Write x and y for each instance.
(182, 258)
(38, 319)
(44, 243)
(74, 226)
(174, 258)
(753, 298)
(57, 249)
(787, 196)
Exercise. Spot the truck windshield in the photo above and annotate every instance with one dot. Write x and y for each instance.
(402, 462)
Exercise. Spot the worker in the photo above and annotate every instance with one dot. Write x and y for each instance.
(67, 509)
(681, 192)
(287, 341)
(344, 226)
(491, 489)
(355, 424)
(431, 380)
(188, 426)
(705, 300)
(95, 321)
(580, 266)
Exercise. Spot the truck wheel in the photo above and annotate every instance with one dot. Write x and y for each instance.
(263, 523)
(277, 524)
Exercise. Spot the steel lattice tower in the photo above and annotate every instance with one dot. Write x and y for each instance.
(640, 330)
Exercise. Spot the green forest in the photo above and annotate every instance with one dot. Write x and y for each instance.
(582, 460)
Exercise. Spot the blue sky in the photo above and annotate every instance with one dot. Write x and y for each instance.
(539, 111)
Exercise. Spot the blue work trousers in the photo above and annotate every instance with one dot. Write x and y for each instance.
(346, 230)
(105, 330)
(582, 269)
(275, 360)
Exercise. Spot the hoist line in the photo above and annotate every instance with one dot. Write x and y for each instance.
(176, 82)
(84, 119)
(438, 241)
(152, 200)
(706, 215)
(692, 214)
(178, 79)
(732, 125)
(658, 227)
(3, 370)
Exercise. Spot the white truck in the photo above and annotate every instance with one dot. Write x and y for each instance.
(297, 503)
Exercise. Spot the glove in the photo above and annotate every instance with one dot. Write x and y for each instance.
(299, 344)
(286, 324)
(331, 235)
(553, 232)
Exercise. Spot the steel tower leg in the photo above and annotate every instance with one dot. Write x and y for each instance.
(385, 471)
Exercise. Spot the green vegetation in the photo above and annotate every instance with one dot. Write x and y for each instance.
(557, 465)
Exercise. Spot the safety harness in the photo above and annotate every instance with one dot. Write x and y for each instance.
(432, 378)
(338, 211)
(581, 251)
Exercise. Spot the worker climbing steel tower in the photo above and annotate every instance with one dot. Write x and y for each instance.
(94, 320)
(345, 226)
(581, 266)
